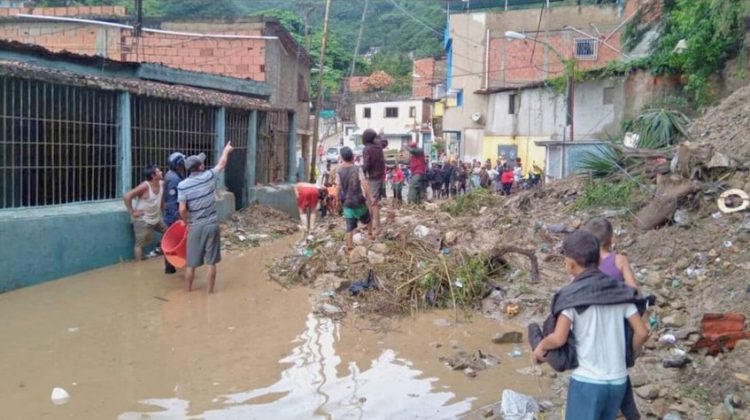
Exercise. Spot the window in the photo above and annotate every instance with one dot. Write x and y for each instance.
(460, 98)
(438, 91)
(608, 96)
(586, 48)
(412, 112)
(58, 144)
(512, 104)
(366, 113)
(391, 112)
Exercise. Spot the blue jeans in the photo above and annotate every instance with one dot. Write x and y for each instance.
(587, 401)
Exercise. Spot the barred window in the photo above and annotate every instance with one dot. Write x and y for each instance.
(58, 144)
(162, 127)
(586, 48)
(237, 132)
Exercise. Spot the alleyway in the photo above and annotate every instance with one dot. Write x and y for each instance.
(127, 340)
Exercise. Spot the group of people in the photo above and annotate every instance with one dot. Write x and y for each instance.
(187, 194)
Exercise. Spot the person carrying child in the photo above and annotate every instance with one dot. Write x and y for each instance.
(597, 323)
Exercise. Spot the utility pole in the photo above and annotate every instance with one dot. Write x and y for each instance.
(138, 18)
(319, 99)
(359, 38)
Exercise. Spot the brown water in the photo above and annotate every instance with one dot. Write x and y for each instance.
(127, 342)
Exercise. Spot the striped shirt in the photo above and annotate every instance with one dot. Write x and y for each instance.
(198, 192)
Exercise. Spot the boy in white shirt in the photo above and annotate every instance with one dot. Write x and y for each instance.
(599, 383)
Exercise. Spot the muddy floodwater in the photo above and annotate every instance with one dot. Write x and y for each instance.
(127, 342)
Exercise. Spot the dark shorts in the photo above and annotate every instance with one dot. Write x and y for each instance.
(203, 245)
(376, 188)
(352, 222)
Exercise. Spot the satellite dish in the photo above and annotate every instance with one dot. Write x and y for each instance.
(476, 117)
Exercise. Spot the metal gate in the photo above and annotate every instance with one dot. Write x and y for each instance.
(237, 131)
(272, 159)
(161, 127)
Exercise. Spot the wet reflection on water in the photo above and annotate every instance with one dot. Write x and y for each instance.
(311, 388)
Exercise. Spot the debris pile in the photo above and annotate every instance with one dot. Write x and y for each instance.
(250, 226)
(688, 244)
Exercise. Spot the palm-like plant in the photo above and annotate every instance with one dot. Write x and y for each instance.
(660, 127)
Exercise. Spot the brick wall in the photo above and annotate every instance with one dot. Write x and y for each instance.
(424, 73)
(242, 58)
(512, 64)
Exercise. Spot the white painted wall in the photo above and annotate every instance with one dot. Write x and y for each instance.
(390, 126)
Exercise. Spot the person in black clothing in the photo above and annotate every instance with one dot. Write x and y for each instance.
(436, 181)
(448, 174)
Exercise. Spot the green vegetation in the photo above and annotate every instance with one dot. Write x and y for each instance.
(659, 127)
(466, 283)
(713, 32)
(470, 203)
(608, 193)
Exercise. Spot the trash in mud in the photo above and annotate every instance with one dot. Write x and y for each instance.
(517, 406)
(358, 286)
(59, 396)
(252, 225)
(516, 352)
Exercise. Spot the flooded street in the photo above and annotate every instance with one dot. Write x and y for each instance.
(127, 342)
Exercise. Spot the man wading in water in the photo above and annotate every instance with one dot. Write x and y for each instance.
(197, 197)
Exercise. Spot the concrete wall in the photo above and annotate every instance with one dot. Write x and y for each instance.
(280, 197)
(378, 122)
(48, 243)
(525, 148)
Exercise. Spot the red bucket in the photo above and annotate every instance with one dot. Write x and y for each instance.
(174, 244)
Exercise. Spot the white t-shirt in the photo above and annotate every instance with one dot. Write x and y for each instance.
(600, 341)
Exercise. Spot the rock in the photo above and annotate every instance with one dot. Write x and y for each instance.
(720, 412)
(638, 380)
(358, 238)
(654, 280)
(471, 373)
(431, 206)
(608, 214)
(682, 263)
(374, 258)
(559, 228)
(713, 253)
(380, 248)
(648, 392)
(359, 253)
(675, 320)
(450, 237)
(742, 377)
(508, 337)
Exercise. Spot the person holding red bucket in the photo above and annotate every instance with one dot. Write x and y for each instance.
(175, 175)
(196, 196)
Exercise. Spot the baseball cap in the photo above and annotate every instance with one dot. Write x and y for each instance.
(194, 161)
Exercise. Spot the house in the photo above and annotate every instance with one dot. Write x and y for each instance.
(76, 130)
(259, 48)
(499, 62)
(400, 121)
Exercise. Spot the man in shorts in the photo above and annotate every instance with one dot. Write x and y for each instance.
(197, 197)
(373, 165)
(356, 194)
(146, 214)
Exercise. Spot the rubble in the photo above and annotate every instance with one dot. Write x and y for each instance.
(250, 226)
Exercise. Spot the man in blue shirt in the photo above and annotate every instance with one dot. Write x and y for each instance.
(171, 207)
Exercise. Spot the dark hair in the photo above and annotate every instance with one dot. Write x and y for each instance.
(602, 229)
(582, 247)
(346, 154)
(368, 137)
(149, 172)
